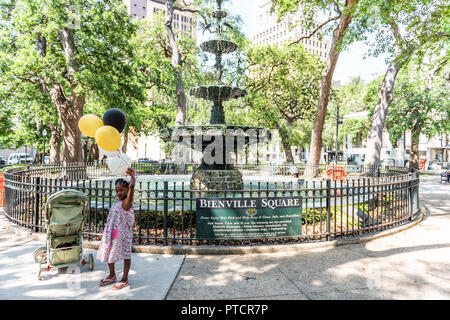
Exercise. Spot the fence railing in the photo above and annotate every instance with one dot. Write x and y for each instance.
(98, 170)
(364, 201)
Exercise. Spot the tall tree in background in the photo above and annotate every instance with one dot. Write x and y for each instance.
(70, 51)
(421, 105)
(283, 85)
(343, 13)
(176, 55)
(412, 28)
(33, 112)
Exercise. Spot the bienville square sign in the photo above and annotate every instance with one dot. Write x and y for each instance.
(248, 218)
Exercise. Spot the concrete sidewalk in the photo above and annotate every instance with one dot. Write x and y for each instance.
(150, 276)
(413, 264)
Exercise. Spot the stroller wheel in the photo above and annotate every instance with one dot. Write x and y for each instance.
(40, 255)
(91, 262)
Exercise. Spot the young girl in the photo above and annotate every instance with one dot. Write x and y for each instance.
(117, 235)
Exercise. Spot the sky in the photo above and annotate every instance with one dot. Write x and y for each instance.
(350, 62)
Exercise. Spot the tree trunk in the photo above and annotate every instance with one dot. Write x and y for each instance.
(177, 64)
(55, 144)
(325, 87)
(70, 108)
(284, 136)
(125, 141)
(375, 136)
(94, 152)
(414, 154)
(287, 152)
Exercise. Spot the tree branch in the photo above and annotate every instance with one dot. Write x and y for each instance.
(433, 72)
(336, 7)
(315, 30)
(396, 31)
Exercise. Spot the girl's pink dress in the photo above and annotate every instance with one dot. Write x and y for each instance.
(117, 235)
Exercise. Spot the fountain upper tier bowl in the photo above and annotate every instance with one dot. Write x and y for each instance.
(218, 46)
(219, 14)
(218, 93)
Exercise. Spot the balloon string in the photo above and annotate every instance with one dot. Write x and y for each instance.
(120, 156)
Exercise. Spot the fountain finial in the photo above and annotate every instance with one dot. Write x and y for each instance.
(218, 47)
(216, 171)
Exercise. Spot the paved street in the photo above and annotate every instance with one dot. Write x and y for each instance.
(413, 264)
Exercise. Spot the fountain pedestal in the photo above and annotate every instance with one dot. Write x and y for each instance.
(204, 179)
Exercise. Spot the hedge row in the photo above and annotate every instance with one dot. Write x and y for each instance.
(148, 219)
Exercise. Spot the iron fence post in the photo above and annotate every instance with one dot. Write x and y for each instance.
(328, 204)
(166, 208)
(36, 204)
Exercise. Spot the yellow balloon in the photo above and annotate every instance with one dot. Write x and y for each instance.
(89, 124)
(108, 138)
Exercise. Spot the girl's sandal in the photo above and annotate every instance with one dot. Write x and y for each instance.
(120, 285)
(107, 281)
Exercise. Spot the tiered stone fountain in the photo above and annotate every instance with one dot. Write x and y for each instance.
(219, 174)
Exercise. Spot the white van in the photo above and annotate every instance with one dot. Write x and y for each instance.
(19, 158)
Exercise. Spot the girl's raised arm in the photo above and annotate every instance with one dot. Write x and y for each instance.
(128, 202)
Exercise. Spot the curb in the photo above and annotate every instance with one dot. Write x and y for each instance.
(228, 250)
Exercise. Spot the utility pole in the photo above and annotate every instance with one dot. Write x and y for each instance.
(338, 121)
(44, 134)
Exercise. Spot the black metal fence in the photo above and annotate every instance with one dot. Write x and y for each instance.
(98, 170)
(339, 202)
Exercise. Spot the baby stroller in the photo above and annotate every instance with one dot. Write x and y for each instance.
(64, 214)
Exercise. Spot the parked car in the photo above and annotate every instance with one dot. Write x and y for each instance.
(2, 161)
(145, 160)
(19, 158)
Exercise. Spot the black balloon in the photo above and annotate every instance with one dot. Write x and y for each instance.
(115, 118)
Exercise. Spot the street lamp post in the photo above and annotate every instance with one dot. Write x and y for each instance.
(338, 121)
(44, 134)
(145, 151)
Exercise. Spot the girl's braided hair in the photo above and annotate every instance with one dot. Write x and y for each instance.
(122, 182)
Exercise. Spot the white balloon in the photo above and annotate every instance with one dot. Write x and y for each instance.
(119, 164)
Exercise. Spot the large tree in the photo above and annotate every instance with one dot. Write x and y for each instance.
(421, 106)
(283, 84)
(405, 30)
(339, 18)
(70, 51)
(32, 112)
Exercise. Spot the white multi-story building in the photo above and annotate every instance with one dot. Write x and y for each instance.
(183, 21)
(433, 152)
(151, 147)
(269, 31)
